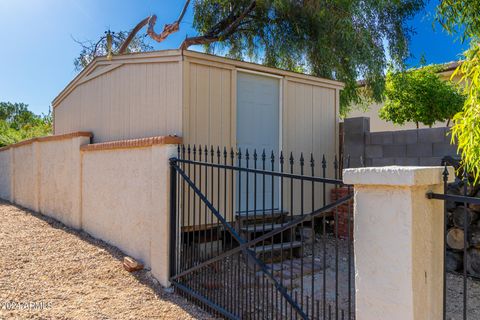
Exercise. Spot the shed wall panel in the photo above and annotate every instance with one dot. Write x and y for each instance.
(208, 105)
(309, 127)
(132, 101)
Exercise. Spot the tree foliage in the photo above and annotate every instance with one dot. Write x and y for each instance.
(99, 48)
(466, 128)
(345, 40)
(17, 123)
(461, 17)
(420, 96)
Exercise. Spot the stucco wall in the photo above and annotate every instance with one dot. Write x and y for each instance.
(59, 179)
(5, 174)
(25, 176)
(117, 192)
(124, 202)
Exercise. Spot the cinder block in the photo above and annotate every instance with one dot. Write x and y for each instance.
(354, 139)
(373, 151)
(381, 162)
(394, 151)
(444, 149)
(368, 162)
(355, 162)
(407, 162)
(385, 137)
(431, 135)
(405, 137)
(356, 125)
(354, 150)
(419, 150)
(431, 161)
(367, 138)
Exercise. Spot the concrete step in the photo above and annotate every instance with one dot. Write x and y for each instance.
(263, 227)
(261, 215)
(277, 247)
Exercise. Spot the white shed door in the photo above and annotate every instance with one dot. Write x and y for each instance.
(258, 118)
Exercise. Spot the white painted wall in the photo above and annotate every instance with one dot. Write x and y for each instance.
(59, 174)
(125, 202)
(120, 196)
(398, 242)
(25, 176)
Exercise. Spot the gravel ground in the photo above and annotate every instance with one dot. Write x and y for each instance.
(48, 271)
(455, 297)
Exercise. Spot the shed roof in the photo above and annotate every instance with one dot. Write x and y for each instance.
(102, 65)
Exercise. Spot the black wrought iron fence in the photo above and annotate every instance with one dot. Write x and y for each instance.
(261, 236)
(461, 281)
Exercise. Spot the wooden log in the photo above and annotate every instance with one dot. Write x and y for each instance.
(475, 207)
(459, 217)
(453, 189)
(474, 235)
(473, 262)
(455, 239)
(454, 261)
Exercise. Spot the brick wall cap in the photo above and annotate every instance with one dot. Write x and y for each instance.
(49, 138)
(132, 143)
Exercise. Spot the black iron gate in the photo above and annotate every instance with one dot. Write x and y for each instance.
(461, 267)
(254, 236)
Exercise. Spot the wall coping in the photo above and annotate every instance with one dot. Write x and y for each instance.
(396, 176)
(132, 143)
(49, 138)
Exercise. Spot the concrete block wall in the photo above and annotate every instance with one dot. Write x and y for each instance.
(418, 147)
(116, 191)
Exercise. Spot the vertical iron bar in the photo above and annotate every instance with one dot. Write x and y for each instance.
(324, 231)
(281, 234)
(445, 226)
(255, 158)
(189, 246)
(312, 166)
(272, 158)
(302, 228)
(292, 230)
(264, 288)
(248, 281)
(184, 235)
(336, 244)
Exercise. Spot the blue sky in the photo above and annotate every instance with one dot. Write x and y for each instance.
(36, 58)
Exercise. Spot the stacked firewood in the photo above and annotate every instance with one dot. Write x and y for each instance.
(463, 223)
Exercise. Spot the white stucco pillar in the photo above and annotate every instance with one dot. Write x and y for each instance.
(398, 242)
(160, 219)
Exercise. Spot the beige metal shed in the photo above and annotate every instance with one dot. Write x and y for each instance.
(206, 99)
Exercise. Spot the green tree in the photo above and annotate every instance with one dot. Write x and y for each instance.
(110, 41)
(17, 123)
(420, 96)
(461, 17)
(345, 40)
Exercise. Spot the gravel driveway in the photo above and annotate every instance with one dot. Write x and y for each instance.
(48, 271)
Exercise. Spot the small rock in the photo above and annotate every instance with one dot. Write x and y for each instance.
(131, 264)
(169, 290)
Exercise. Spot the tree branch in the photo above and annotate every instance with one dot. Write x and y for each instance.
(168, 29)
(214, 35)
(132, 35)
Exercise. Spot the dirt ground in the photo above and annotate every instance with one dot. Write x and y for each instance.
(48, 271)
